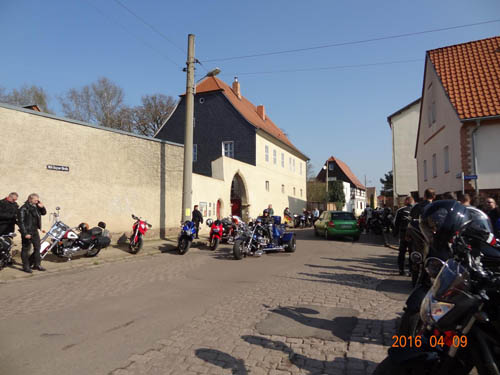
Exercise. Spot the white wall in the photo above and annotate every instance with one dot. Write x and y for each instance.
(488, 156)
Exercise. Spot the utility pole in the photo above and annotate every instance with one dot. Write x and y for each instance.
(187, 177)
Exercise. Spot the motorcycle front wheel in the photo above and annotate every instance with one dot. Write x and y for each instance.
(135, 247)
(183, 246)
(214, 243)
(238, 249)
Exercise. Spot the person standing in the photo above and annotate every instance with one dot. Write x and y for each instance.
(464, 199)
(429, 196)
(197, 219)
(29, 220)
(8, 213)
(270, 210)
(400, 225)
(494, 214)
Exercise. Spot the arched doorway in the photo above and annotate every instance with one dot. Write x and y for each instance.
(239, 201)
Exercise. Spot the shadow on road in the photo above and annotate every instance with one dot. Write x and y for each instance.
(221, 359)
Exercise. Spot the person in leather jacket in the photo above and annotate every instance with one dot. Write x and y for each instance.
(29, 220)
(429, 196)
(8, 213)
(400, 224)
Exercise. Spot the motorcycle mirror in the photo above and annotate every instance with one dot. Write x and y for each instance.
(58, 208)
(12, 234)
(150, 225)
(133, 216)
(433, 266)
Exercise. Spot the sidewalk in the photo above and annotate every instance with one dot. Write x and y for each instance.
(114, 253)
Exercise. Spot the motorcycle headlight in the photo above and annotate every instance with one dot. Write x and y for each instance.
(216, 230)
(432, 310)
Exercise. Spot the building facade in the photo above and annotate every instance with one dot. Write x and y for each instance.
(231, 134)
(354, 190)
(459, 124)
(404, 127)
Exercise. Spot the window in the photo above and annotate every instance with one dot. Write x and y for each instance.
(330, 166)
(282, 160)
(301, 193)
(294, 192)
(290, 164)
(446, 158)
(228, 149)
(274, 157)
(283, 189)
(300, 168)
(267, 153)
(267, 185)
(425, 170)
(195, 152)
(434, 166)
(293, 163)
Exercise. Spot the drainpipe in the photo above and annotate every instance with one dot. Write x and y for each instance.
(474, 156)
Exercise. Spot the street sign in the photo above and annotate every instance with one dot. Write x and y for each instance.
(470, 177)
(61, 168)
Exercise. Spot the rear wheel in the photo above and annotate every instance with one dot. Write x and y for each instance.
(93, 252)
(214, 243)
(238, 250)
(136, 246)
(184, 245)
(326, 234)
(291, 245)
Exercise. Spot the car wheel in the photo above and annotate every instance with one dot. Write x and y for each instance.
(327, 235)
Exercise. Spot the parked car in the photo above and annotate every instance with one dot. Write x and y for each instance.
(337, 224)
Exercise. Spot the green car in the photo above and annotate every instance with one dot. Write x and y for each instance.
(335, 224)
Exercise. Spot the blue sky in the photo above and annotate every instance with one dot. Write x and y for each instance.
(341, 112)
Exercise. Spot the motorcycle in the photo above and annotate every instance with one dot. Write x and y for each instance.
(216, 231)
(186, 237)
(231, 225)
(5, 247)
(259, 237)
(460, 315)
(139, 229)
(66, 242)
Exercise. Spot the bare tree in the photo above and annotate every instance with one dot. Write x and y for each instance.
(153, 112)
(310, 170)
(26, 95)
(100, 102)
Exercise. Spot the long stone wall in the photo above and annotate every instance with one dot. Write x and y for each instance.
(111, 174)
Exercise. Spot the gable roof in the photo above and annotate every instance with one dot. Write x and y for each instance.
(470, 75)
(246, 109)
(402, 110)
(347, 171)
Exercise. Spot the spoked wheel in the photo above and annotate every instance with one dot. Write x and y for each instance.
(184, 245)
(136, 246)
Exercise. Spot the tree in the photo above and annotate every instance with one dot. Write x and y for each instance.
(336, 193)
(154, 111)
(387, 184)
(100, 102)
(310, 170)
(27, 95)
(315, 191)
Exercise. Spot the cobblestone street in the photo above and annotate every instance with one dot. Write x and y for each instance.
(330, 308)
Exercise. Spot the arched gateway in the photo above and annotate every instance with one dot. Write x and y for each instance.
(239, 198)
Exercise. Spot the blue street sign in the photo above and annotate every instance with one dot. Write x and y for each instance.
(470, 177)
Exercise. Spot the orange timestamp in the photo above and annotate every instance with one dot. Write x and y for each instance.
(433, 341)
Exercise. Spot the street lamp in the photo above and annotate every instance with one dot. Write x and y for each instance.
(325, 167)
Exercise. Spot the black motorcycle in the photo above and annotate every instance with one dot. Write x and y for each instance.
(460, 317)
(5, 247)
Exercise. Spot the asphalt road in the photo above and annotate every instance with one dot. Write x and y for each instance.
(90, 321)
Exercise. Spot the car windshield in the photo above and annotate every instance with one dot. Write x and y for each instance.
(342, 216)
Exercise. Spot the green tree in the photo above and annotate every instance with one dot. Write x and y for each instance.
(387, 184)
(315, 191)
(336, 193)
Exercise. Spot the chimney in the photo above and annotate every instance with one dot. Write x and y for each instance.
(236, 87)
(261, 111)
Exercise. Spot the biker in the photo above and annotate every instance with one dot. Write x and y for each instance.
(266, 220)
(400, 224)
(418, 209)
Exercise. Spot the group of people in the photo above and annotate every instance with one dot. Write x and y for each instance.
(411, 211)
(28, 218)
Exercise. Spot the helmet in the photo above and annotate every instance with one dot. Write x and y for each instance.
(266, 212)
(102, 225)
(83, 227)
(479, 228)
(209, 222)
(441, 220)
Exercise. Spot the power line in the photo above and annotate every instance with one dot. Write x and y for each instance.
(352, 42)
(328, 67)
(135, 36)
(150, 26)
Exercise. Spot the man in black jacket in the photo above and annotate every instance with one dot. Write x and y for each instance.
(8, 213)
(197, 219)
(29, 220)
(400, 224)
(429, 196)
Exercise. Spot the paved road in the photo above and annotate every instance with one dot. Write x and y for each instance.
(204, 313)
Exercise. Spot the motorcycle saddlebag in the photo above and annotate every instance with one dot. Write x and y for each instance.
(103, 242)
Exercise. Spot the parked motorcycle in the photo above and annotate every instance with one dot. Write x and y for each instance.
(5, 247)
(259, 237)
(139, 229)
(216, 231)
(186, 237)
(460, 316)
(66, 242)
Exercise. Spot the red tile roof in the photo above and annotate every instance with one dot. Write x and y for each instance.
(470, 74)
(245, 108)
(347, 171)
